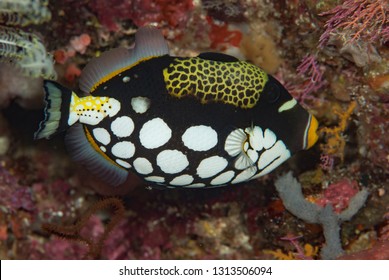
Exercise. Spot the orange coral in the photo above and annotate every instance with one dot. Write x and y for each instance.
(309, 253)
(336, 141)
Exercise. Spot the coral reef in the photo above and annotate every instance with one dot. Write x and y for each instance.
(27, 52)
(23, 56)
(359, 19)
(332, 56)
(20, 12)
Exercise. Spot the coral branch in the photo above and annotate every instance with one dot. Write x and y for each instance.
(363, 19)
(311, 69)
(336, 141)
(73, 232)
(291, 194)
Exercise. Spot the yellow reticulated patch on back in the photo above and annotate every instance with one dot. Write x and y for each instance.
(92, 109)
(237, 83)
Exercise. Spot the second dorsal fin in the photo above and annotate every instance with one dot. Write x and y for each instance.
(149, 42)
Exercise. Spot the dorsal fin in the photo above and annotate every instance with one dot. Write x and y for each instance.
(149, 42)
(218, 57)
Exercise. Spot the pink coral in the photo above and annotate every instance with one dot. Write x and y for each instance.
(365, 19)
(14, 196)
(78, 44)
(339, 194)
(313, 73)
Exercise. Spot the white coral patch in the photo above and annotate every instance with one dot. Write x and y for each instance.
(200, 138)
(172, 161)
(154, 133)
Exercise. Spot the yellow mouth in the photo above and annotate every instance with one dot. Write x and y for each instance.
(312, 135)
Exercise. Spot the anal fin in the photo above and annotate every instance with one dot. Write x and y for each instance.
(82, 150)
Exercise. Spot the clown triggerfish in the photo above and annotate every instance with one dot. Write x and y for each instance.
(204, 121)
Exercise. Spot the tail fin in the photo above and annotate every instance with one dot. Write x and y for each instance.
(57, 100)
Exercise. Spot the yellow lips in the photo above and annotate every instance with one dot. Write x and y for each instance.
(312, 135)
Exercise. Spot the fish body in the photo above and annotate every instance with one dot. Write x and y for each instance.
(203, 121)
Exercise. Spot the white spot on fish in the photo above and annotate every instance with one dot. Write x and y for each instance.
(122, 126)
(243, 161)
(211, 166)
(172, 161)
(140, 104)
(143, 166)
(124, 149)
(123, 163)
(269, 139)
(196, 185)
(155, 179)
(101, 135)
(223, 178)
(245, 175)
(182, 180)
(253, 155)
(255, 137)
(112, 107)
(126, 79)
(155, 133)
(272, 158)
(287, 105)
(200, 138)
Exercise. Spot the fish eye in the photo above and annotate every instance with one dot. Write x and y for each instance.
(271, 93)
